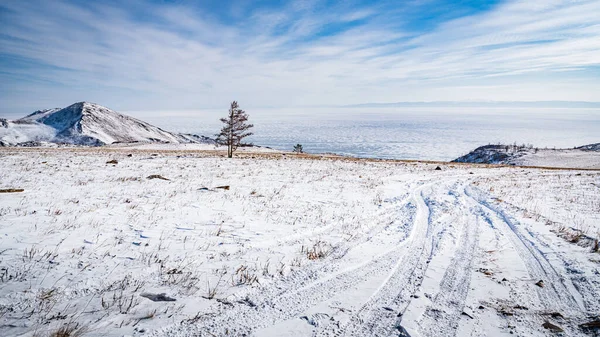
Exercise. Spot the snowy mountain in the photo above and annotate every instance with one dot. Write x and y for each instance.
(37, 115)
(86, 123)
(587, 156)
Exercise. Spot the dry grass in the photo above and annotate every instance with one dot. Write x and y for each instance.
(319, 250)
(11, 190)
(244, 276)
(69, 330)
(212, 291)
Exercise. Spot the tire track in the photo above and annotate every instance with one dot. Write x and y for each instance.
(555, 294)
(379, 316)
(292, 295)
(581, 283)
(447, 306)
(372, 319)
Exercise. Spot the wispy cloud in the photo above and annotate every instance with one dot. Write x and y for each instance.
(148, 55)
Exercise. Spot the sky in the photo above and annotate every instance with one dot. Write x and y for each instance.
(186, 54)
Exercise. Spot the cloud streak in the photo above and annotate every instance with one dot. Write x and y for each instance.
(146, 56)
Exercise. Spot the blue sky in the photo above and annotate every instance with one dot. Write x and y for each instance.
(184, 54)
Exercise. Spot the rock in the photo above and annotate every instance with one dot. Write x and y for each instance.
(401, 331)
(438, 168)
(557, 315)
(481, 307)
(156, 176)
(130, 155)
(592, 325)
(158, 297)
(552, 327)
(485, 271)
(114, 161)
(316, 319)
(540, 283)
(225, 187)
(466, 314)
(11, 190)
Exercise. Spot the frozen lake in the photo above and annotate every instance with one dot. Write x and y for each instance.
(400, 133)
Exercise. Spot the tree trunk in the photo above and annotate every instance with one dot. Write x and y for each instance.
(230, 142)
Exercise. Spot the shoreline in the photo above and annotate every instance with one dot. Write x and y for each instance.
(274, 154)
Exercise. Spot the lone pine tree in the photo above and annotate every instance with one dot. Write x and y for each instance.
(235, 129)
(298, 148)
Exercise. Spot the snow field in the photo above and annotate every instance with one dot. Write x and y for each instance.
(294, 247)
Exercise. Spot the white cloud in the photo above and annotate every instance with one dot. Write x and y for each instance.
(184, 59)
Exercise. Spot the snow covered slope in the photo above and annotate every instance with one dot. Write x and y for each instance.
(20, 132)
(91, 124)
(590, 147)
(587, 156)
(86, 123)
(38, 114)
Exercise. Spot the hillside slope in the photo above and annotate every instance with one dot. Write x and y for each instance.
(587, 156)
(86, 123)
(91, 124)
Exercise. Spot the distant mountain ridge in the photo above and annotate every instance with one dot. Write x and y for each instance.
(85, 123)
(482, 104)
(586, 156)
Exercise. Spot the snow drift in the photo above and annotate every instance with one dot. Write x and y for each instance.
(86, 123)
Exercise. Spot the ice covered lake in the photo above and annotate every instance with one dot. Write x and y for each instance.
(397, 133)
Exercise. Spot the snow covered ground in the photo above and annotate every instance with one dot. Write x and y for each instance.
(566, 158)
(293, 246)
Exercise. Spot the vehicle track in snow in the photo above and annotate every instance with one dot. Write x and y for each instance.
(573, 267)
(555, 296)
(381, 314)
(448, 304)
(377, 315)
(401, 269)
(291, 296)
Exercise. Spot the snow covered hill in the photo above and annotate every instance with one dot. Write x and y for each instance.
(86, 123)
(587, 156)
(590, 147)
